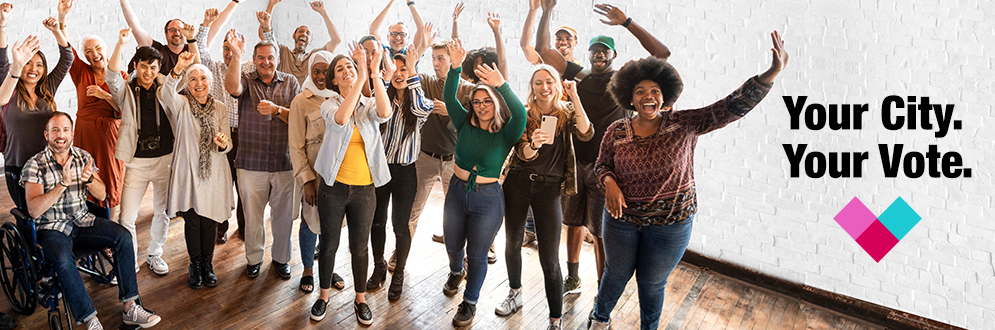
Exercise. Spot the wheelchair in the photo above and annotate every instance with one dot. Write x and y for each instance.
(28, 281)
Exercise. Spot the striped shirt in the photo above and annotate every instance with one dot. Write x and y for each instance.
(219, 69)
(70, 210)
(400, 148)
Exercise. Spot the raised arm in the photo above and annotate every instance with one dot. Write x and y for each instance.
(456, 11)
(546, 53)
(333, 34)
(168, 93)
(615, 16)
(494, 21)
(53, 25)
(418, 24)
(526, 40)
(490, 76)
(203, 34)
(380, 90)
(455, 110)
(20, 54)
(5, 9)
(233, 77)
(114, 62)
(375, 25)
(219, 23)
(141, 36)
(189, 31)
(265, 25)
(778, 61)
(351, 98)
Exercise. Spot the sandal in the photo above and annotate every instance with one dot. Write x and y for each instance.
(337, 282)
(307, 284)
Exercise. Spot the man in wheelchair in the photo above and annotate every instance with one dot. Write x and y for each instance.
(56, 182)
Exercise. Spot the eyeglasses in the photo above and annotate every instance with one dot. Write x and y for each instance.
(484, 103)
(174, 30)
(397, 34)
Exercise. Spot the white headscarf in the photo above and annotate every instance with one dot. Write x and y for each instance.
(322, 56)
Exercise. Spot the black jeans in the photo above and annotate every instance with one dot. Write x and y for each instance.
(356, 204)
(520, 192)
(402, 186)
(13, 175)
(239, 214)
(200, 233)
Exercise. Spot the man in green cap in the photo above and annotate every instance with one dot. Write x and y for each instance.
(585, 209)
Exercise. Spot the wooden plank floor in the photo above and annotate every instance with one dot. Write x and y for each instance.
(695, 299)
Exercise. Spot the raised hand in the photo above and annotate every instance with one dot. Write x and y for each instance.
(458, 10)
(21, 53)
(5, 9)
(614, 15)
(51, 24)
(494, 21)
(456, 53)
(534, 5)
(65, 6)
(96, 91)
(221, 140)
(210, 16)
(778, 61)
(378, 57)
(429, 36)
(318, 6)
(87, 173)
(188, 30)
(124, 36)
(548, 4)
(273, 2)
(489, 75)
(358, 55)
(235, 42)
(185, 59)
(411, 61)
(570, 88)
(264, 18)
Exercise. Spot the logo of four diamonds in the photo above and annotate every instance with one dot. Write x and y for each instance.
(877, 235)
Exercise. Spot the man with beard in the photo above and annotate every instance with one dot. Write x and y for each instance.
(265, 171)
(57, 182)
(99, 117)
(586, 208)
(294, 61)
(176, 42)
(213, 22)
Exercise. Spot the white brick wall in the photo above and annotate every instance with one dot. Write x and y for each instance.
(752, 213)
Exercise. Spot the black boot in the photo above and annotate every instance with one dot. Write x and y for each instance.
(207, 270)
(194, 276)
(379, 275)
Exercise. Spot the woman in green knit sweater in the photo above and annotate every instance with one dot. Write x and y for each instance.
(475, 204)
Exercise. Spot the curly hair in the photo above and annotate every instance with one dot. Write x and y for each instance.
(650, 68)
(486, 54)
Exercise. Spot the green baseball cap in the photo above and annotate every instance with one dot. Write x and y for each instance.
(604, 40)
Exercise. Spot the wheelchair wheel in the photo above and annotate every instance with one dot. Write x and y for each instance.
(55, 319)
(17, 270)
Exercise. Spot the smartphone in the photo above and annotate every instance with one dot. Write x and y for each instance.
(549, 126)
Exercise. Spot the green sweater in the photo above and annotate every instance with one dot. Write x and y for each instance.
(479, 151)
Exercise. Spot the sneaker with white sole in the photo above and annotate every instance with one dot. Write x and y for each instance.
(511, 304)
(136, 315)
(598, 325)
(94, 324)
(157, 265)
(571, 285)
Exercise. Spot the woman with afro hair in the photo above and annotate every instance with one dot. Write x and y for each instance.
(646, 166)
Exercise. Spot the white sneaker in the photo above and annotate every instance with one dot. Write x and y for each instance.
(598, 325)
(136, 315)
(511, 304)
(157, 265)
(94, 324)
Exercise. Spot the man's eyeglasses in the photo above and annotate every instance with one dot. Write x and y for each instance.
(478, 104)
(174, 30)
(397, 34)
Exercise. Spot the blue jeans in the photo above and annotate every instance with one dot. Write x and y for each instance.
(307, 240)
(652, 252)
(471, 220)
(103, 234)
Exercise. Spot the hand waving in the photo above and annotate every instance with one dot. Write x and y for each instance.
(188, 30)
(124, 36)
(264, 18)
(456, 53)
(614, 15)
(318, 6)
(210, 16)
(458, 10)
(235, 42)
(494, 21)
(65, 6)
(779, 59)
(489, 75)
(21, 53)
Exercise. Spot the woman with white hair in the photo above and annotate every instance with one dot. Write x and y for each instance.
(200, 186)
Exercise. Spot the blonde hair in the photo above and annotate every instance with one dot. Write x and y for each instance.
(561, 108)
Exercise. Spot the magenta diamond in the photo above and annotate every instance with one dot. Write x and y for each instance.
(877, 240)
(855, 218)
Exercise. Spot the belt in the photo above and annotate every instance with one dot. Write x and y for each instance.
(444, 158)
(545, 178)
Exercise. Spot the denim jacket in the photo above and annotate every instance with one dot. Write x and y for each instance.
(336, 140)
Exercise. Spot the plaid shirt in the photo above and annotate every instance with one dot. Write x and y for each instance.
(263, 141)
(219, 69)
(70, 210)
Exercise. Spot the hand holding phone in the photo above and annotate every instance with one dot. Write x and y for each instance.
(549, 126)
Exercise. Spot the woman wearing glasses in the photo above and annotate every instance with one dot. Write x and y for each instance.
(475, 203)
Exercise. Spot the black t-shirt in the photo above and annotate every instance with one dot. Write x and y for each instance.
(155, 138)
(550, 161)
(600, 108)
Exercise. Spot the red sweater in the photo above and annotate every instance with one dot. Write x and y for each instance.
(656, 173)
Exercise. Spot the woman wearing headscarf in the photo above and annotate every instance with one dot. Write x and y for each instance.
(200, 186)
(306, 129)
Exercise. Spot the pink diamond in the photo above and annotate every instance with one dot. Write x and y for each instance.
(855, 218)
(877, 240)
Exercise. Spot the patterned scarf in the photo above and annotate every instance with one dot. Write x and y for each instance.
(208, 129)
